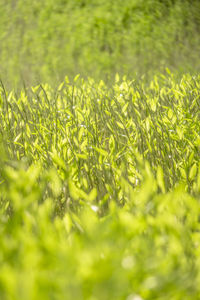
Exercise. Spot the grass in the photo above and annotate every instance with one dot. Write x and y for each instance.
(99, 190)
(47, 40)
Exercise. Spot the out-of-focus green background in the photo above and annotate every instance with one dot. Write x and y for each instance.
(46, 40)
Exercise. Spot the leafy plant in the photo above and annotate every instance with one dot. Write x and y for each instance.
(99, 190)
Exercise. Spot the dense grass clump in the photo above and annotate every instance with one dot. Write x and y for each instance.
(99, 190)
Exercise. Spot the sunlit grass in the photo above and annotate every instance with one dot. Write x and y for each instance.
(99, 190)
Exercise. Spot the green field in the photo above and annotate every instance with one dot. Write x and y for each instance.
(100, 190)
(43, 41)
(99, 150)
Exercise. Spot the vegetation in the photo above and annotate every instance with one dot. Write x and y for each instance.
(99, 190)
(42, 41)
(99, 172)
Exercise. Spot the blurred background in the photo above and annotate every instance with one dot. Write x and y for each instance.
(43, 41)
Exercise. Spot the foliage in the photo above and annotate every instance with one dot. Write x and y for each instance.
(99, 190)
(45, 40)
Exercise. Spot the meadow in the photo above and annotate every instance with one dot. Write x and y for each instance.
(43, 41)
(99, 190)
(99, 150)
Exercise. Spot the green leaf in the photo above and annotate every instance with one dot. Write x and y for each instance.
(76, 78)
(17, 137)
(117, 78)
(179, 132)
(120, 125)
(193, 172)
(92, 195)
(101, 151)
(58, 160)
(60, 87)
(160, 179)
